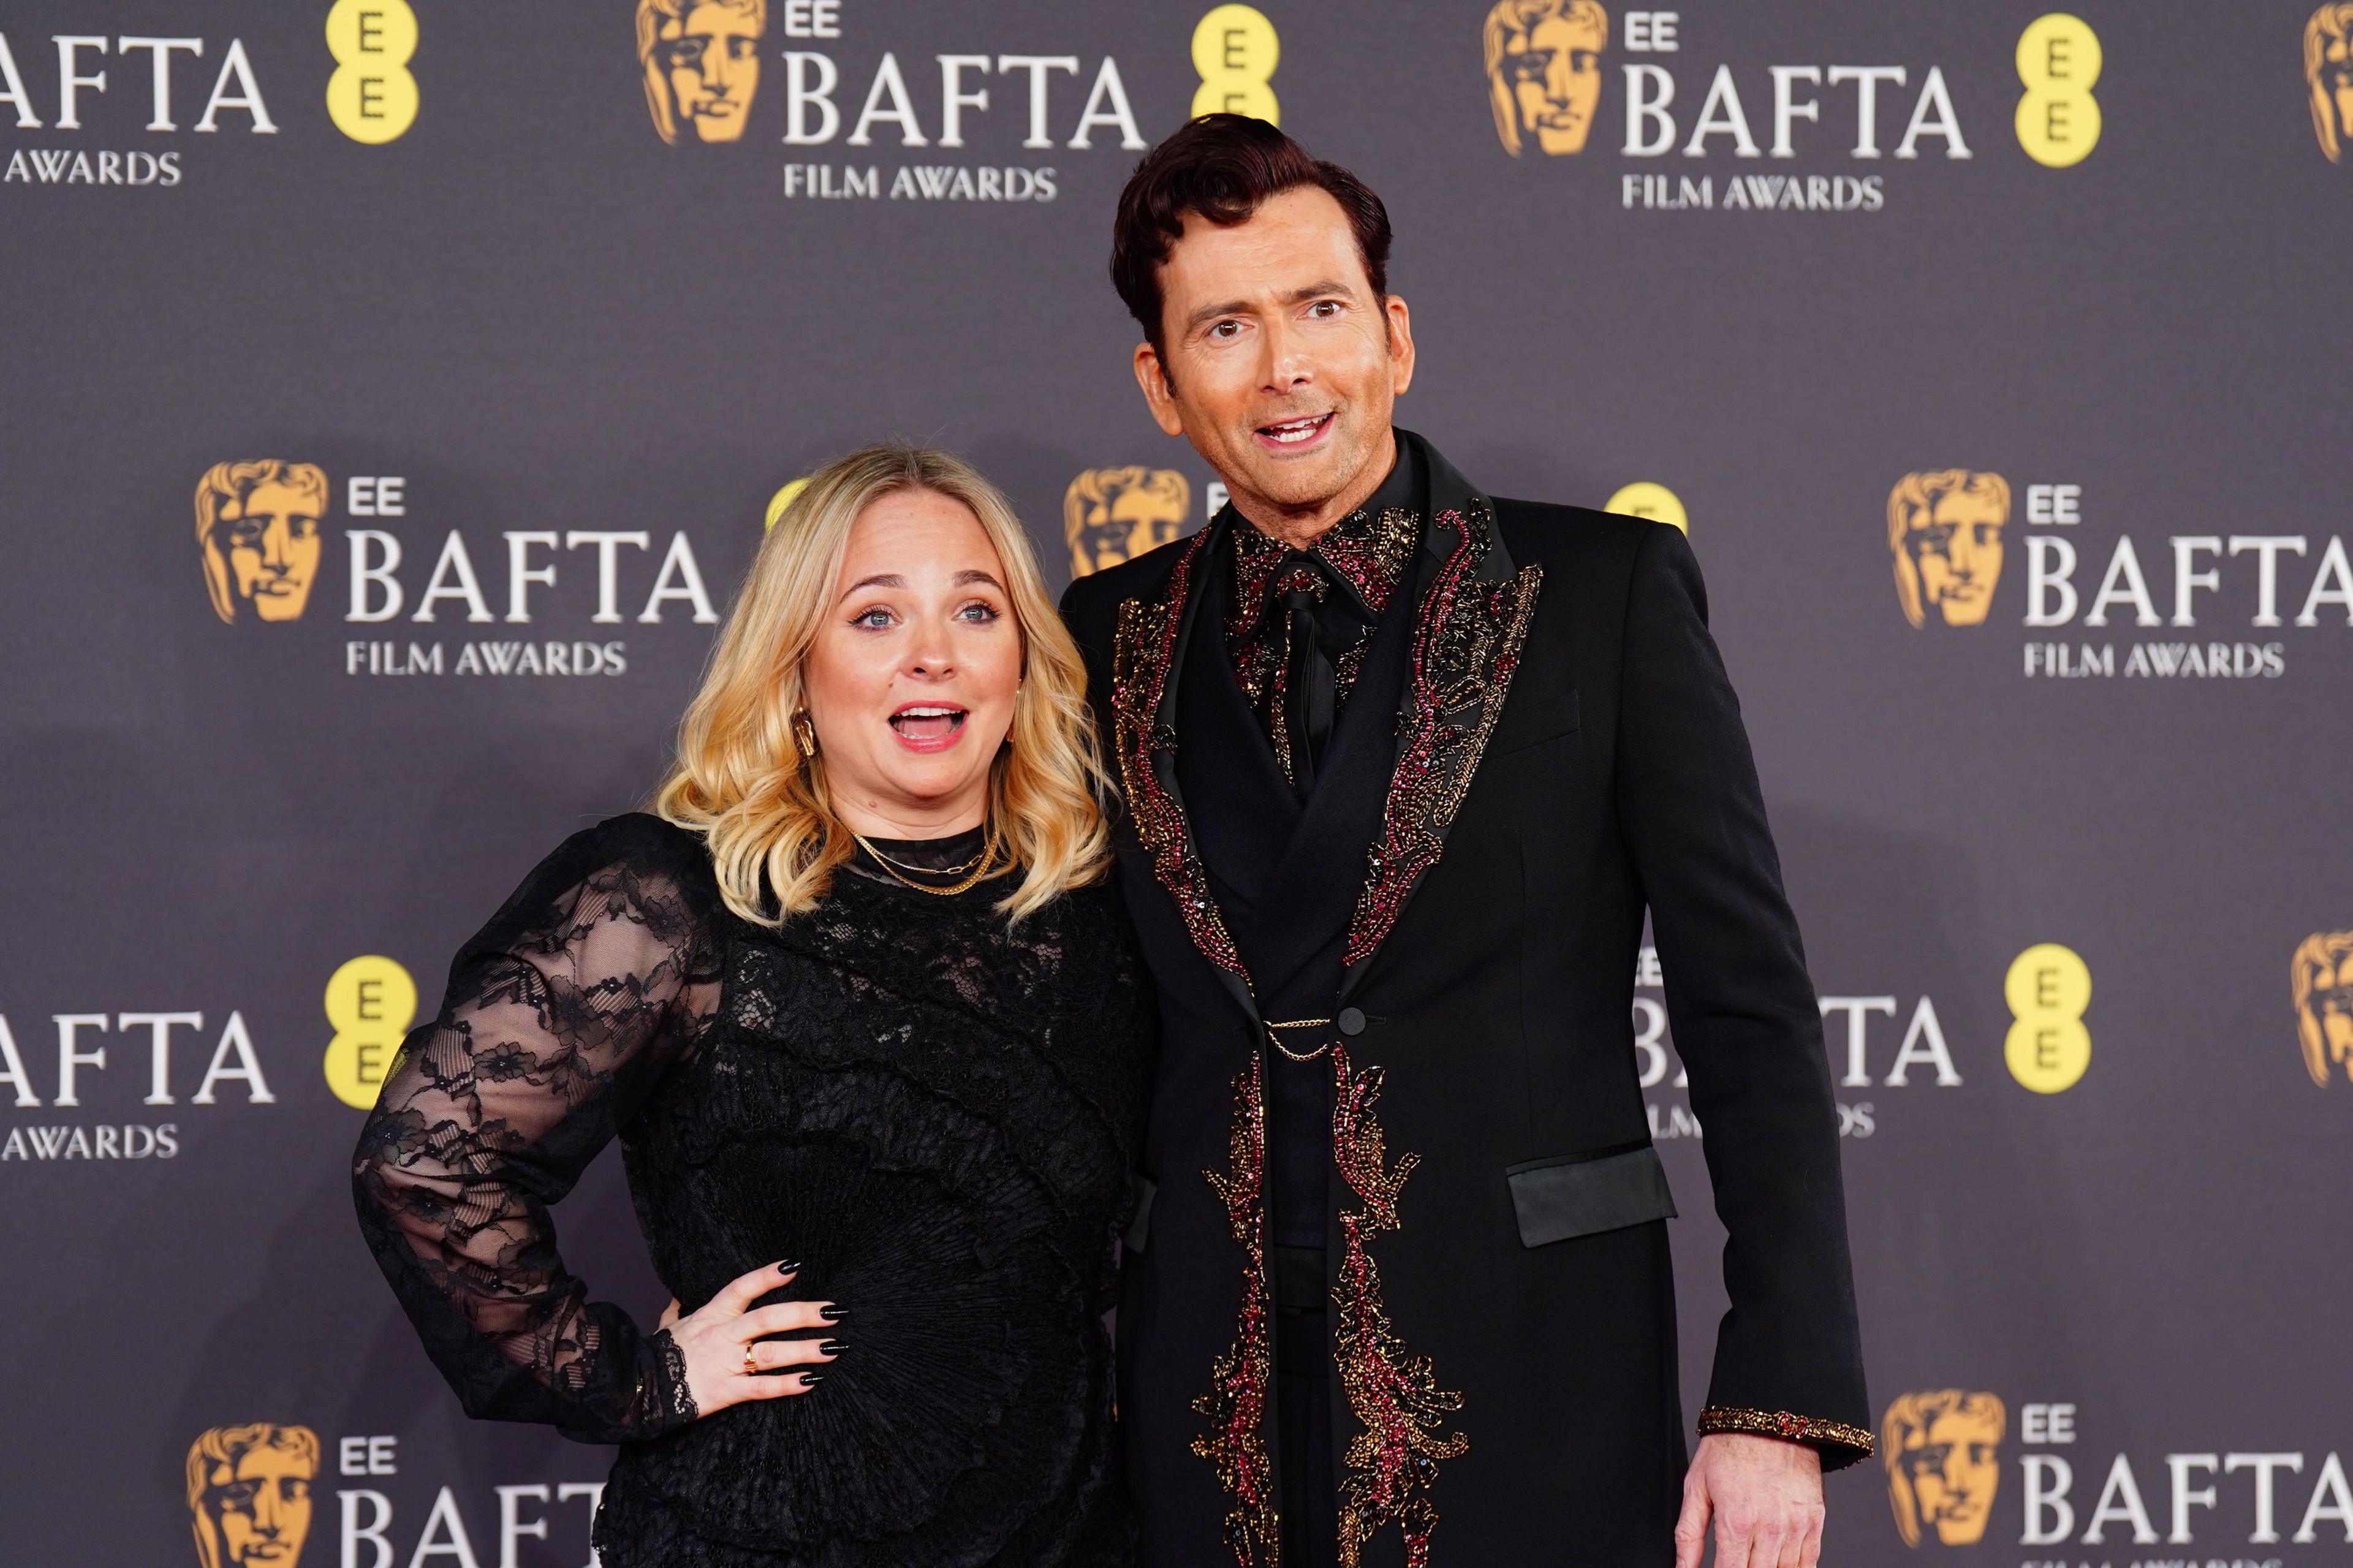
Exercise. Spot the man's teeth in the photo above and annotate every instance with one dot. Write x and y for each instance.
(1296, 430)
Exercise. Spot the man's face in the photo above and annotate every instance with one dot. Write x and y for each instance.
(1281, 364)
(1553, 71)
(713, 59)
(263, 1512)
(270, 540)
(1954, 1467)
(1957, 546)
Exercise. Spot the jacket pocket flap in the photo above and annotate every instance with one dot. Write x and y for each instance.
(1558, 1199)
(1552, 715)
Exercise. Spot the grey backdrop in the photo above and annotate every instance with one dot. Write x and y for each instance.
(540, 317)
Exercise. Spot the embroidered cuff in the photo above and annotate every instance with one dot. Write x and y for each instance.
(1782, 1424)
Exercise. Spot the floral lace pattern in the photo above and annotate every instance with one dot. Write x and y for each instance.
(935, 1112)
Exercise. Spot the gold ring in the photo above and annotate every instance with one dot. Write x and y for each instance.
(751, 1367)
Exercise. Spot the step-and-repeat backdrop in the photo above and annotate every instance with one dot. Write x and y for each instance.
(393, 391)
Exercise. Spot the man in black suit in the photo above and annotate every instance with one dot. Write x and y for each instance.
(1401, 766)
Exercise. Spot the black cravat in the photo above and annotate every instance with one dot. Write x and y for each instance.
(1299, 620)
(1309, 699)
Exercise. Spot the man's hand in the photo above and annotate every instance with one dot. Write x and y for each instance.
(1766, 1496)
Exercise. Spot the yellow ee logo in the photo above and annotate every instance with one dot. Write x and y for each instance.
(1643, 499)
(371, 1001)
(1234, 50)
(372, 97)
(2059, 61)
(2048, 988)
(783, 498)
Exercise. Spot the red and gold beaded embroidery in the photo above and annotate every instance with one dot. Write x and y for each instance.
(1255, 557)
(1369, 551)
(1396, 1396)
(1785, 1425)
(1466, 650)
(1241, 1379)
(1144, 653)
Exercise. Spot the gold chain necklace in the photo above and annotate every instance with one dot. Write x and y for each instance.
(957, 869)
(985, 868)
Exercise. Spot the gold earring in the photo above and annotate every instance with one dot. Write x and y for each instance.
(805, 735)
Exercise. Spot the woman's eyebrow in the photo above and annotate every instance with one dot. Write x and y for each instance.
(966, 578)
(880, 580)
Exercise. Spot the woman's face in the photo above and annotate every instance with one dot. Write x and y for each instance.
(911, 681)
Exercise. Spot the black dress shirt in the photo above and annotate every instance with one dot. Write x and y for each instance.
(1337, 588)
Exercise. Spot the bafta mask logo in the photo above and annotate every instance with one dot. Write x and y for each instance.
(702, 60)
(250, 1491)
(1945, 530)
(2328, 73)
(1943, 1452)
(1111, 515)
(2323, 989)
(257, 530)
(1544, 71)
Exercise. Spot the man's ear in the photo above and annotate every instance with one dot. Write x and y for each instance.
(1400, 325)
(1158, 395)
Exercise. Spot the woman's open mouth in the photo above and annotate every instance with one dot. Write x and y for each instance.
(928, 726)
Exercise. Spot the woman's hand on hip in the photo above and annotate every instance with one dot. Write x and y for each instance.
(729, 1360)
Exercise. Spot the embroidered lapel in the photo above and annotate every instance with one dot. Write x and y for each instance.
(1471, 623)
(1147, 648)
(1473, 620)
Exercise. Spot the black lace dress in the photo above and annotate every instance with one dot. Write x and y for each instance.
(934, 1113)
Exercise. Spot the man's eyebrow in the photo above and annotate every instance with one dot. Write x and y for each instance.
(1321, 288)
(880, 580)
(1210, 312)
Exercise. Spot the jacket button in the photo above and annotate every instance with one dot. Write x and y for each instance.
(1351, 1021)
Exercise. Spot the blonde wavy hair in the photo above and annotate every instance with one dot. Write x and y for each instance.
(762, 808)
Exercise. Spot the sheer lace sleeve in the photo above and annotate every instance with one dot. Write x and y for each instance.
(561, 1015)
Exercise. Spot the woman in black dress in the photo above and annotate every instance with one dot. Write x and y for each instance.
(874, 1038)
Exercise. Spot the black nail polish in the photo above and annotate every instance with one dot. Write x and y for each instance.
(811, 1379)
(833, 1314)
(831, 1347)
(792, 1268)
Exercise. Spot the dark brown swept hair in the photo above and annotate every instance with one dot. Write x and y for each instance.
(1223, 166)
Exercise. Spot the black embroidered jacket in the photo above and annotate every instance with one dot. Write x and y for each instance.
(1567, 752)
